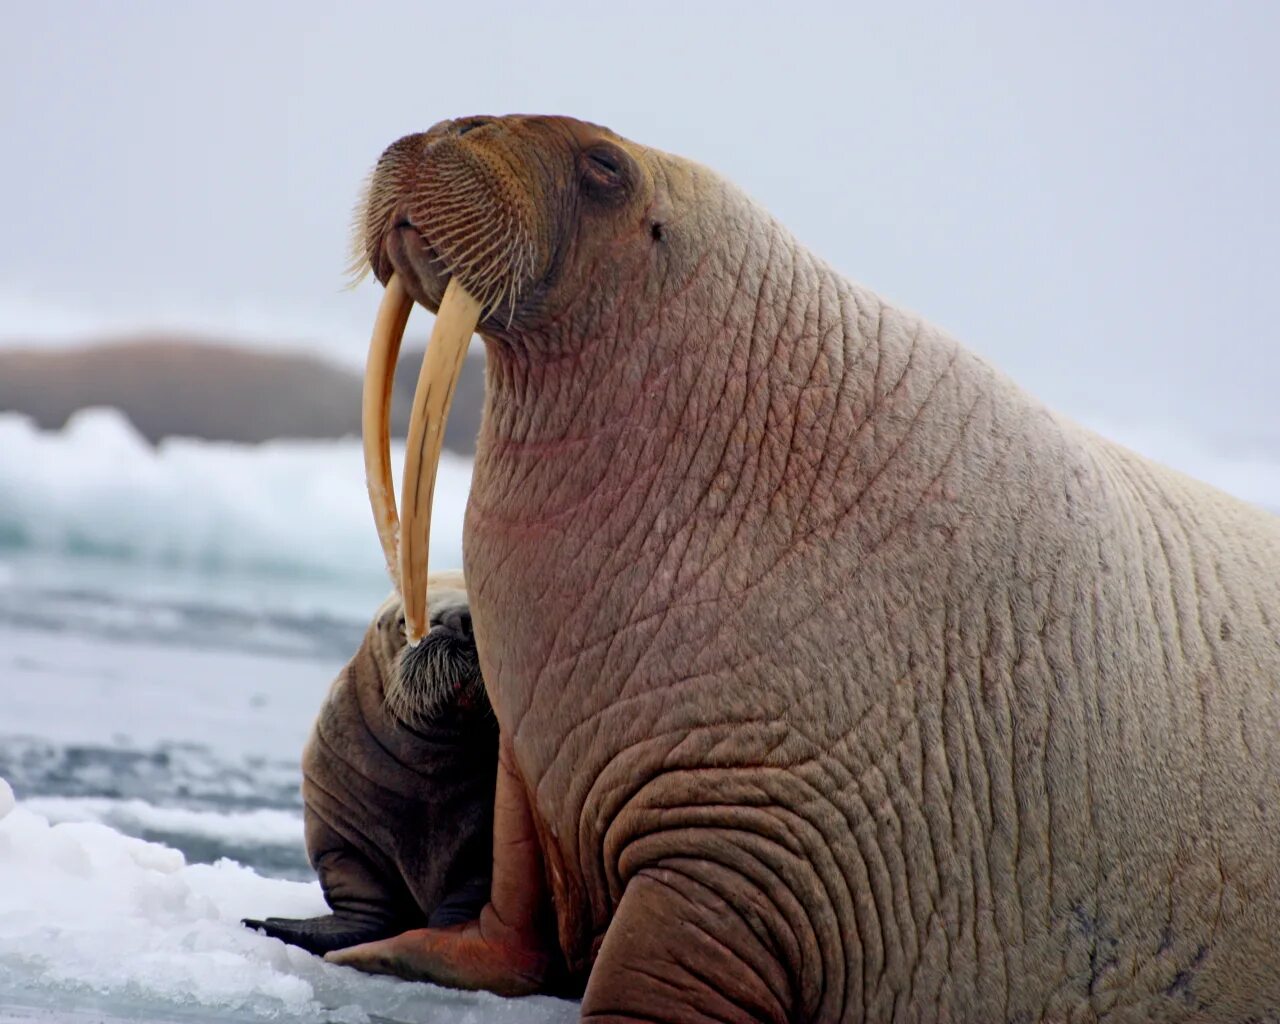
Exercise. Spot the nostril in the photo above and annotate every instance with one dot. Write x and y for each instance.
(458, 622)
(467, 126)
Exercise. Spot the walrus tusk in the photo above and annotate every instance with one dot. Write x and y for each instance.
(459, 313)
(375, 417)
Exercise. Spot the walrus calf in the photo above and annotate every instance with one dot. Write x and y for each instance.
(398, 782)
(860, 686)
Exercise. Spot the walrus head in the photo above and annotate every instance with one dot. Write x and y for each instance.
(441, 675)
(494, 224)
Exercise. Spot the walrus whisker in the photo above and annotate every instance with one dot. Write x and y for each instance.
(463, 200)
(428, 678)
(358, 264)
(459, 229)
(480, 254)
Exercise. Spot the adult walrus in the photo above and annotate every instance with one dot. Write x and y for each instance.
(860, 685)
(398, 781)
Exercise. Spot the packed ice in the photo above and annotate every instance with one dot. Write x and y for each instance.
(92, 918)
(261, 826)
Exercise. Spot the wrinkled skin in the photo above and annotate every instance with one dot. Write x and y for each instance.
(861, 686)
(398, 792)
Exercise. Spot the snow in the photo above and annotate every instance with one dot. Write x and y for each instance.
(288, 507)
(261, 826)
(90, 915)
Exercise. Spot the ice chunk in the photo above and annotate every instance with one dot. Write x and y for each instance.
(91, 917)
(287, 507)
(262, 826)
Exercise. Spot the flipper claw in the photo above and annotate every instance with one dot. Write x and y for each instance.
(321, 935)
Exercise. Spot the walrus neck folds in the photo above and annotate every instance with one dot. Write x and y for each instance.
(770, 407)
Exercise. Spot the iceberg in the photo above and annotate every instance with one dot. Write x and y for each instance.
(295, 508)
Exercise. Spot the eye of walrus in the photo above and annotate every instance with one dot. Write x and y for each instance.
(605, 172)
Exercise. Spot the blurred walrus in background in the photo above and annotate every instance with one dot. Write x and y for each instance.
(398, 782)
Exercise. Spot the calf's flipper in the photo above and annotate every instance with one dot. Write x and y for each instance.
(321, 935)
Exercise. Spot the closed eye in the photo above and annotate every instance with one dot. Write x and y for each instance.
(604, 161)
(606, 174)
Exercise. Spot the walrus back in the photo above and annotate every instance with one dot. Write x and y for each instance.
(349, 849)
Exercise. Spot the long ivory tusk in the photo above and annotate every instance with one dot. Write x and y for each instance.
(375, 418)
(459, 313)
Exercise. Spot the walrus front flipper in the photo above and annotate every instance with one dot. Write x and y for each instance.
(321, 935)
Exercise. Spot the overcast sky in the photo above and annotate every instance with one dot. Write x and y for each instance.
(1086, 193)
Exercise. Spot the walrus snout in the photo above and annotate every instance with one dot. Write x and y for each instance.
(457, 622)
(437, 681)
(405, 249)
(471, 194)
(438, 676)
(450, 220)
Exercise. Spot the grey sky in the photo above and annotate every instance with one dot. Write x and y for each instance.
(1085, 193)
